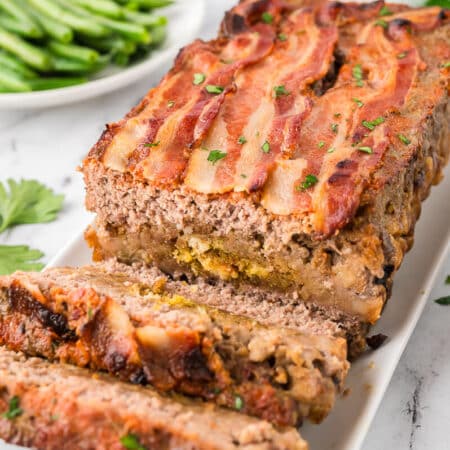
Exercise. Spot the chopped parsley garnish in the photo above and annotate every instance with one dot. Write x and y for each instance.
(216, 155)
(282, 37)
(443, 300)
(310, 180)
(357, 73)
(19, 257)
(27, 201)
(358, 102)
(131, 442)
(331, 150)
(267, 17)
(404, 139)
(335, 127)
(14, 409)
(402, 55)
(242, 140)
(265, 147)
(371, 124)
(213, 89)
(152, 144)
(337, 115)
(382, 23)
(280, 90)
(238, 402)
(385, 11)
(321, 144)
(366, 150)
(199, 78)
(446, 65)
(170, 104)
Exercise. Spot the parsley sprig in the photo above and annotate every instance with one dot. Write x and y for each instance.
(27, 201)
(19, 257)
(131, 442)
(14, 409)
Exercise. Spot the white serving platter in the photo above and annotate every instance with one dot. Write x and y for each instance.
(347, 425)
(184, 21)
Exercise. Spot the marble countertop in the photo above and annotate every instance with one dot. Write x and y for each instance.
(49, 144)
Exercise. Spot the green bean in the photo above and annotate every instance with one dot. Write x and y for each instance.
(103, 7)
(53, 28)
(121, 59)
(67, 65)
(83, 25)
(131, 31)
(28, 53)
(21, 15)
(12, 81)
(12, 63)
(25, 29)
(110, 44)
(145, 19)
(150, 4)
(41, 84)
(72, 51)
(158, 35)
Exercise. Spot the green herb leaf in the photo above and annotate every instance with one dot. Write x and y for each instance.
(152, 144)
(282, 37)
(267, 17)
(265, 147)
(238, 402)
(382, 23)
(131, 442)
(310, 180)
(371, 124)
(27, 201)
(321, 144)
(366, 150)
(242, 140)
(443, 300)
(14, 409)
(385, 11)
(404, 139)
(443, 3)
(334, 127)
(357, 73)
(216, 155)
(213, 89)
(280, 90)
(199, 78)
(445, 65)
(331, 150)
(402, 55)
(170, 104)
(358, 102)
(337, 115)
(19, 257)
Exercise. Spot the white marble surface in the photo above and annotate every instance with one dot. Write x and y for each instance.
(49, 144)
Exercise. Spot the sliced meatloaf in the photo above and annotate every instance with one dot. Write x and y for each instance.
(300, 162)
(59, 407)
(144, 334)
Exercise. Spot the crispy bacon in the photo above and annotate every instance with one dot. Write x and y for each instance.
(271, 141)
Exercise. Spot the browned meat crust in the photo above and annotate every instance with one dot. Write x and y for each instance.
(143, 334)
(61, 407)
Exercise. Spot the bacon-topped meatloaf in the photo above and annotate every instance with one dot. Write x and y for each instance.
(146, 335)
(291, 152)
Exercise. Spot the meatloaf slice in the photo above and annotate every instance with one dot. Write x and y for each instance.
(141, 333)
(299, 164)
(59, 407)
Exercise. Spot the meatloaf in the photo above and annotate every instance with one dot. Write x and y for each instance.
(58, 407)
(292, 152)
(143, 334)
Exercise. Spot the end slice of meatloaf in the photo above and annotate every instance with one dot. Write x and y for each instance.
(55, 406)
(299, 164)
(140, 333)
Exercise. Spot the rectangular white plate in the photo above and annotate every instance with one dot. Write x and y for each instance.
(369, 377)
